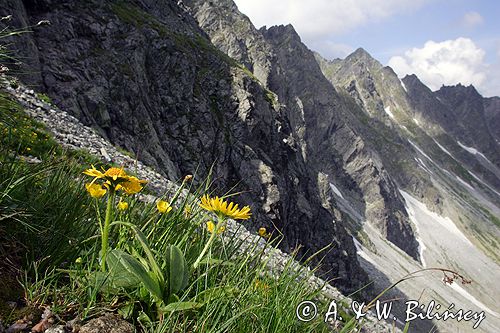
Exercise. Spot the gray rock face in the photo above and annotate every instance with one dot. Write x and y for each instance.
(492, 114)
(334, 142)
(146, 77)
(466, 119)
(462, 112)
(322, 126)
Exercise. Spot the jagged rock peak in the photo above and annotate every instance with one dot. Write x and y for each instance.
(278, 30)
(459, 88)
(412, 81)
(361, 55)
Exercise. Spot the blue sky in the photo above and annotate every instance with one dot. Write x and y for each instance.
(443, 42)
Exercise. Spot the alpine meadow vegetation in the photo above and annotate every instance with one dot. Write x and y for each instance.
(81, 238)
(91, 243)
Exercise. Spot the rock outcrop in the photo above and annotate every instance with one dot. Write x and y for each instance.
(322, 125)
(146, 77)
(71, 134)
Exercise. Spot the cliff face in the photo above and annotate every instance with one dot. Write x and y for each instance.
(324, 151)
(466, 119)
(322, 125)
(148, 79)
(492, 114)
(319, 147)
(463, 120)
(461, 112)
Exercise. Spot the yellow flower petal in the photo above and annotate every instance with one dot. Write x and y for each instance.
(116, 175)
(223, 208)
(163, 206)
(210, 226)
(122, 205)
(95, 190)
(132, 186)
(93, 172)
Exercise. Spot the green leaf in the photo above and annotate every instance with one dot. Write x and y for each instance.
(177, 269)
(144, 318)
(151, 258)
(120, 276)
(99, 280)
(180, 306)
(134, 267)
(127, 310)
(147, 249)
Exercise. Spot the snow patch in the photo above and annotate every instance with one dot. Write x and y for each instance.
(464, 183)
(416, 121)
(421, 245)
(336, 190)
(482, 182)
(444, 222)
(403, 85)
(421, 151)
(473, 151)
(443, 148)
(473, 300)
(362, 253)
(423, 165)
(387, 110)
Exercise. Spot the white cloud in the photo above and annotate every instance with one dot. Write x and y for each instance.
(472, 19)
(448, 62)
(314, 19)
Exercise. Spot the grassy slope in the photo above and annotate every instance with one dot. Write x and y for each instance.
(49, 218)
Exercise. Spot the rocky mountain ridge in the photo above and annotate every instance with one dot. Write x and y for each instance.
(325, 131)
(73, 135)
(145, 77)
(416, 132)
(323, 150)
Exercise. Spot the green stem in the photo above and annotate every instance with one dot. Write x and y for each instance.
(105, 231)
(209, 243)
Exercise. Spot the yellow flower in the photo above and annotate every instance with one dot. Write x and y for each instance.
(132, 185)
(93, 172)
(117, 179)
(211, 228)
(263, 233)
(95, 190)
(223, 208)
(122, 205)
(115, 175)
(163, 206)
(79, 260)
(188, 178)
